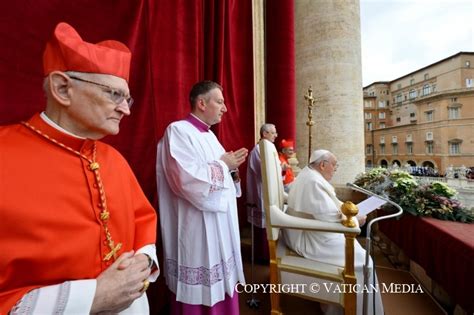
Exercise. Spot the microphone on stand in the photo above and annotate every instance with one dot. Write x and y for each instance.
(368, 242)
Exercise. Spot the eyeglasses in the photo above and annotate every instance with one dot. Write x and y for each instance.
(116, 96)
(334, 165)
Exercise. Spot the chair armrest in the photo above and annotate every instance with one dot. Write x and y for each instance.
(282, 220)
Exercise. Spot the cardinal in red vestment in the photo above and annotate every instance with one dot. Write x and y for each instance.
(287, 151)
(77, 234)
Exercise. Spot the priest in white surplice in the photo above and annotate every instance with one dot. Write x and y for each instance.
(312, 195)
(197, 188)
(255, 211)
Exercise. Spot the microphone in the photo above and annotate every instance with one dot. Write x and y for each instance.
(367, 239)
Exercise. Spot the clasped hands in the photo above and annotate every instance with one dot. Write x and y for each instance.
(122, 283)
(233, 159)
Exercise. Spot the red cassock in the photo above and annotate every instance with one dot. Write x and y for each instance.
(288, 175)
(50, 227)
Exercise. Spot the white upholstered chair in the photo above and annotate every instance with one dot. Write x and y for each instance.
(287, 267)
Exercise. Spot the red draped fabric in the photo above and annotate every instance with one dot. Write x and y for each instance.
(174, 44)
(444, 249)
(281, 82)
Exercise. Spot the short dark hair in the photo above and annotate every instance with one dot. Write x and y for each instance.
(202, 88)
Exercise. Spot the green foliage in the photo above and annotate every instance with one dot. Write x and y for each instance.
(403, 183)
(435, 199)
(442, 189)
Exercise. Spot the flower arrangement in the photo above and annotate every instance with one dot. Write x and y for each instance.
(435, 199)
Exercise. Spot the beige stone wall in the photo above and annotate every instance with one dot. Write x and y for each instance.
(328, 57)
(445, 74)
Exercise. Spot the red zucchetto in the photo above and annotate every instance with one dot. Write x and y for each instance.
(286, 144)
(66, 51)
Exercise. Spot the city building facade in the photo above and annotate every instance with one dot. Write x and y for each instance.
(423, 119)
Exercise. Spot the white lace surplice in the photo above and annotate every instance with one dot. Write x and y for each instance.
(198, 216)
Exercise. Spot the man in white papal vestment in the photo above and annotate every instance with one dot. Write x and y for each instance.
(311, 195)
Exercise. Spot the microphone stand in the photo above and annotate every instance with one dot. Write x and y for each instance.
(365, 308)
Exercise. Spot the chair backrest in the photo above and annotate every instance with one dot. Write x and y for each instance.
(272, 184)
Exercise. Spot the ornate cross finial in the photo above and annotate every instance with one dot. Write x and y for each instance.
(309, 97)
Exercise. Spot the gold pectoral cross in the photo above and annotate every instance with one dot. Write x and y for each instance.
(113, 251)
(94, 166)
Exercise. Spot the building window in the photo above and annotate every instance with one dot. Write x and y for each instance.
(387, 103)
(368, 115)
(454, 148)
(381, 104)
(394, 148)
(427, 76)
(399, 86)
(429, 147)
(468, 64)
(469, 83)
(367, 104)
(409, 148)
(382, 115)
(382, 148)
(394, 139)
(453, 112)
(398, 119)
(412, 94)
(412, 115)
(369, 126)
(382, 125)
(429, 115)
(399, 98)
(426, 89)
(454, 99)
(368, 149)
(412, 81)
(429, 136)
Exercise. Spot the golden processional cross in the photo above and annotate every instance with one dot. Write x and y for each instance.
(310, 122)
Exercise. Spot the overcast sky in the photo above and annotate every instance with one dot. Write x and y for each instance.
(401, 36)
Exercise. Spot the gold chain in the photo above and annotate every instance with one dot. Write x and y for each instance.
(94, 167)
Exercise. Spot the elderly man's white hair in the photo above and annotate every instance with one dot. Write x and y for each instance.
(319, 155)
(266, 127)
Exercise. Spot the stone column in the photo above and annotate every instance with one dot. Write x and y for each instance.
(328, 57)
(258, 36)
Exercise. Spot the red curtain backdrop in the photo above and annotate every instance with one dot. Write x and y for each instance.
(174, 44)
(280, 61)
